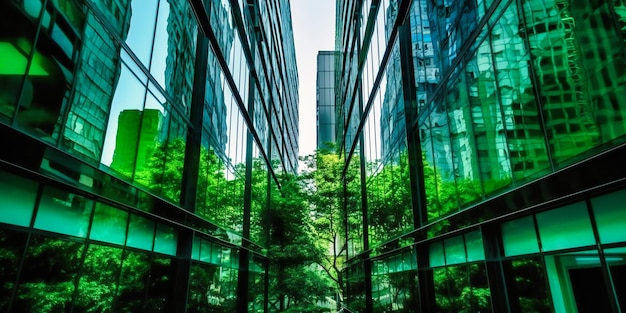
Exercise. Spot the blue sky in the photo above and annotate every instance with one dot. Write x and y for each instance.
(314, 30)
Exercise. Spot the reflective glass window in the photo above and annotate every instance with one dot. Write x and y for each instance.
(140, 233)
(99, 279)
(616, 260)
(160, 285)
(123, 130)
(141, 32)
(436, 254)
(48, 276)
(133, 280)
(109, 224)
(474, 246)
(565, 227)
(519, 236)
(455, 250)
(12, 245)
(17, 199)
(63, 212)
(610, 216)
(527, 284)
(166, 240)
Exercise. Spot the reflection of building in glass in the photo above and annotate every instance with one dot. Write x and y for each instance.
(520, 123)
(97, 74)
(115, 191)
(326, 98)
(134, 144)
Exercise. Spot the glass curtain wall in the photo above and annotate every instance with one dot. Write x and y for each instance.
(507, 94)
(128, 127)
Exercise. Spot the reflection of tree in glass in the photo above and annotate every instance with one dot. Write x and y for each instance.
(529, 285)
(11, 249)
(48, 277)
(462, 288)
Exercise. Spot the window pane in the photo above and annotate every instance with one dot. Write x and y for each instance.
(474, 246)
(141, 32)
(17, 199)
(519, 237)
(12, 246)
(160, 285)
(122, 135)
(109, 224)
(63, 212)
(140, 233)
(527, 284)
(98, 281)
(565, 227)
(133, 279)
(610, 215)
(48, 275)
(166, 240)
(436, 254)
(455, 250)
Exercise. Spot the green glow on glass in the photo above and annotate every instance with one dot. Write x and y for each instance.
(14, 62)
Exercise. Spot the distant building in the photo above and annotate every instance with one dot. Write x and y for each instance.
(326, 118)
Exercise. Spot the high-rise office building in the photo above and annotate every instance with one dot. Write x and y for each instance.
(131, 133)
(489, 142)
(326, 119)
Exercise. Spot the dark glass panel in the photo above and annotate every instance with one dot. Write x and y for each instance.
(527, 285)
(49, 275)
(160, 285)
(12, 246)
(204, 289)
(481, 295)
(132, 283)
(98, 280)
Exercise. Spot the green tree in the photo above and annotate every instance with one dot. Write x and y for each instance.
(293, 283)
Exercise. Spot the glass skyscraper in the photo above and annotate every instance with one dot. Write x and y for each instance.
(326, 115)
(490, 140)
(131, 133)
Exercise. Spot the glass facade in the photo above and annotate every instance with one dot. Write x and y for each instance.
(138, 142)
(488, 137)
(326, 119)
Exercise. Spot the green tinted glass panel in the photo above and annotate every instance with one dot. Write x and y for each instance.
(17, 199)
(140, 233)
(474, 246)
(436, 254)
(455, 250)
(166, 240)
(216, 254)
(565, 227)
(519, 237)
(63, 212)
(610, 213)
(109, 224)
(195, 248)
(205, 251)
